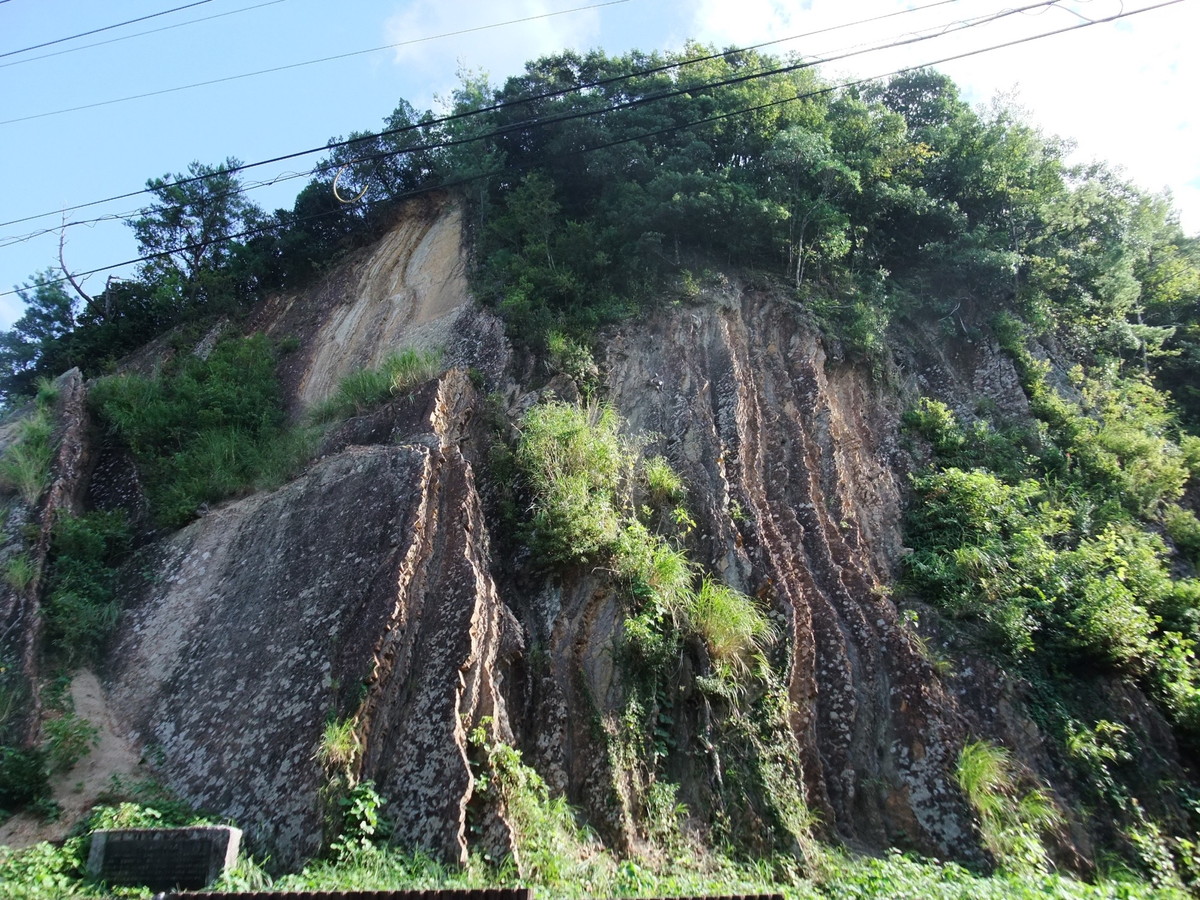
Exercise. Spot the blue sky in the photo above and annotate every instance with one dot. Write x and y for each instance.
(1124, 92)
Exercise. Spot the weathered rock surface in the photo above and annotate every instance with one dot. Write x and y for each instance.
(368, 587)
(409, 290)
(363, 583)
(792, 464)
(20, 606)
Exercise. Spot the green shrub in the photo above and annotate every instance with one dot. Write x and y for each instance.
(1184, 528)
(577, 468)
(656, 572)
(1106, 588)
(980, 545)
(24, 778)
(935, 422)
(69, 738)
(205, 429)
(573, 359)
(551, 849)
(1189, 447)
(361, 828)
(46, 872)
(80, 600)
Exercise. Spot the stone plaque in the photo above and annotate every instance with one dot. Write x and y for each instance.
(164, 858)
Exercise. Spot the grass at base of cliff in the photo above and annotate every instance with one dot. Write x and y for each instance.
(842, 877)
(44, 872)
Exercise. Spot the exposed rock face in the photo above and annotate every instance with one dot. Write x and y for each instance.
(365, 578)
(410, 290)
(365, 588)
(20, 607)
(792, 464)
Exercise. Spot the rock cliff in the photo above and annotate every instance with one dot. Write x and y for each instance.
(368, 587)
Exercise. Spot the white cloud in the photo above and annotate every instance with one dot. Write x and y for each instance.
(1124, 91)
(499, 51)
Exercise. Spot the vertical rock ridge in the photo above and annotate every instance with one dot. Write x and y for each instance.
(760, 416)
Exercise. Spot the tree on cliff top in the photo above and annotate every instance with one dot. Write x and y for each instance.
(189, 233)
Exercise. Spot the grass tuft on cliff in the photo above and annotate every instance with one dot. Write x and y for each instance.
(365, 389)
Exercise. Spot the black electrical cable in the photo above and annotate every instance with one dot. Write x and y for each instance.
(299, 65)
(105, 28)
(456, 183)
(486, 109)
(127, 37)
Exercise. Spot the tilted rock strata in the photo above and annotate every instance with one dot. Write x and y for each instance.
(361, 589)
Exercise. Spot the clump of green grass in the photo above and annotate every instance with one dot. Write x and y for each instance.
(25, 465)
(663, 484)
(20, 572)
(655, 571)
(1011, 823)
(733, 629)
(340, 747)
(361, 391)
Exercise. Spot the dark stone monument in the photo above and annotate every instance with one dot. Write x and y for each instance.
(163, 859)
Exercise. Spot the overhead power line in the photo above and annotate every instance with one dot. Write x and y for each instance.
(641, 73)
(252, 232)
(72, 37)
(299, 65)
(137, 34)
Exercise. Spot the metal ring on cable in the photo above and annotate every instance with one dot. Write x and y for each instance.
(339, 197)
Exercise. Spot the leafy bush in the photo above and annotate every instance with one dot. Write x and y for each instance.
(81, 606)
(361, 826)
(205, 429)
(656, 572)
(47, 872)
(67, 736)
(937, 423)
(24, 778)
(1184, 528)
(551, 848)
(573, 359)
(979, 546)
(577, 467)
